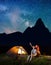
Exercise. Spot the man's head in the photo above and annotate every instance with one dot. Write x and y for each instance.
(33, 47)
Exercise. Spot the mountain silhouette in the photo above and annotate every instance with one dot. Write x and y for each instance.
(9, 40)
(38, 34)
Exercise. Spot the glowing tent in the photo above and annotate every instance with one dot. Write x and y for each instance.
(17, 50)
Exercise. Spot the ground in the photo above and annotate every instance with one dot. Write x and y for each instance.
(21, 60)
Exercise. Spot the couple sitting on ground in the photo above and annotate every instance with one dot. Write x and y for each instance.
(34, 52)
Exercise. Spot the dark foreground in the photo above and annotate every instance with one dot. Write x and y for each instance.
(7, 60)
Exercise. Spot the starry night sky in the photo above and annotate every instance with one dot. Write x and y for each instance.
(17, 15)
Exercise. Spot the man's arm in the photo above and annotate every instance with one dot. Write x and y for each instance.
(31, 45)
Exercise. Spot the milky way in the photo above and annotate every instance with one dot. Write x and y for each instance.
(17, 15)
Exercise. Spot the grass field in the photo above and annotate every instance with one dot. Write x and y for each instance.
(21, 60)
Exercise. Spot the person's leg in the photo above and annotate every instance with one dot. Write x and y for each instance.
(28, 57)
(31, 57)
(38, 53)
(35, 54)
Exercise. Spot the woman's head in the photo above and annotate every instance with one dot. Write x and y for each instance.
(36, 45)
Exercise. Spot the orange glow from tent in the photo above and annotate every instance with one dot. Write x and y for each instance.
(17, 50)
(14, 50)
(21, 51)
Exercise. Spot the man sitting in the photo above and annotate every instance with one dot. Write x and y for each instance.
(33, 53)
